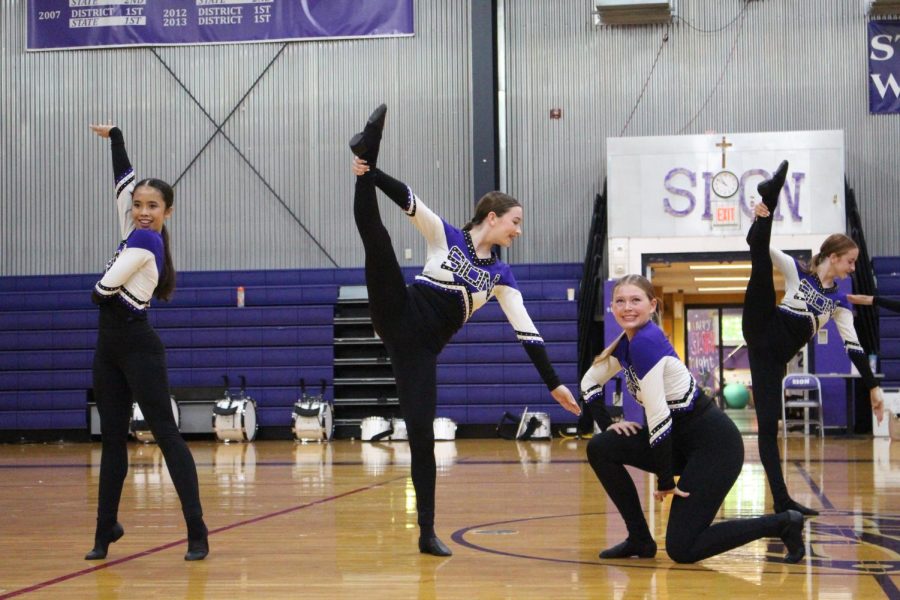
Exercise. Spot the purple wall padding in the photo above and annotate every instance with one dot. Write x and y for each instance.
(284, 332)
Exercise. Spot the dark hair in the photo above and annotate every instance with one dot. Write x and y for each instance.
(836, 243)
(492, 202)
(644, 284)
(165, 287)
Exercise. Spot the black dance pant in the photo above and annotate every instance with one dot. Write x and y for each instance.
(130, 362)
(397, 316)
(708, 454)
(771, 343)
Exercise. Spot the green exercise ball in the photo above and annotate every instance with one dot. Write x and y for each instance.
(736, 395)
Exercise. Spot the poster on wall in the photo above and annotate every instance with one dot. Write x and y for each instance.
(884, 67)
(79, 24)
(703, 347)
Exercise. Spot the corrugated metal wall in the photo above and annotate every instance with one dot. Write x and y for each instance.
(796, 65)
(292, 128)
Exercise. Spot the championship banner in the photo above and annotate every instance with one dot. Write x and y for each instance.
(884, 67)
(72, 24)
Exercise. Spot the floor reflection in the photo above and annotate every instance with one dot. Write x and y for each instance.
(338, 520)
(377, 457)
(235, 464)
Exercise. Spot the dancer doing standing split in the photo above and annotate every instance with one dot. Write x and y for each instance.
(775, 333)
(461, 274)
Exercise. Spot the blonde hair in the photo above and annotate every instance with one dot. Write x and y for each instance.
(644, 285)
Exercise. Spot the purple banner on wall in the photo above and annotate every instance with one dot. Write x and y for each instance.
(62, 24)
(884, 67)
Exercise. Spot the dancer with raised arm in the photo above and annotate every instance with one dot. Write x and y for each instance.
(130, 360)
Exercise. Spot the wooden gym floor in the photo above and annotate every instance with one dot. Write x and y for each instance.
(524, 520)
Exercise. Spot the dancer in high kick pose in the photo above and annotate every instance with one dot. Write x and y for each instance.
(461, 274)
(686, 435)
(775, 333)
(130, 360)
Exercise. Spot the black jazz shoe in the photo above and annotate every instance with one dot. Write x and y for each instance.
(365, 143)
(103, 540)
(770, 189)
(198, 540)
(434, 546)
(792, 536)
(630, 548)
(197, 549)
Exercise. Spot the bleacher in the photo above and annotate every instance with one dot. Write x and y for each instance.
(887, 272)
(48, 330)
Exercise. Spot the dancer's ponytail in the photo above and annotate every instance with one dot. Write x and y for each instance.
(492, 202)
(166, 286)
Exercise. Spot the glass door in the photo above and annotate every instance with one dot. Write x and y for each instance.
(716, 352)
(735, 360)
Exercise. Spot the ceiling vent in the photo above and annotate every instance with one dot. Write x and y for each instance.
(633, 12)
(884, 7)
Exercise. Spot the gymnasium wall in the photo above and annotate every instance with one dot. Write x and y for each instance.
(266, 191)
(728, 66)
(272, 188)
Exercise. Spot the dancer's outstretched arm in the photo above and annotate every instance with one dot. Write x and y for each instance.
(510, 299)
(843, 319)
(123, 175)
(862, 300)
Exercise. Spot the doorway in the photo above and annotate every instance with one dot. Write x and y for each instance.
(716, 355)
(715, 352)
(702, 298)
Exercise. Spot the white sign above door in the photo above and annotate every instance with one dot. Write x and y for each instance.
(684, 186)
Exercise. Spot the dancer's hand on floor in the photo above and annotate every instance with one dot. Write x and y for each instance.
(661, 494)
(565, 398)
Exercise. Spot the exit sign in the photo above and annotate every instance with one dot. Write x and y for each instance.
(725, 214)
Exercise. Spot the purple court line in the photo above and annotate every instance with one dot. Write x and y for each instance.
(112, 563)
(814, 486)
(884, 581)
(458, 536)
(888, 586)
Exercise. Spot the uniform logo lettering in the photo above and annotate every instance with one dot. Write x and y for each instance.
(632, 382)
(458, 264)
(818, 302)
